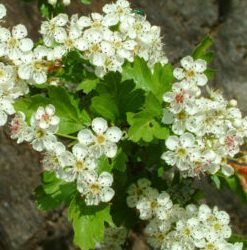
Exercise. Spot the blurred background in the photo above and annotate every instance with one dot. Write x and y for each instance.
(184, 23)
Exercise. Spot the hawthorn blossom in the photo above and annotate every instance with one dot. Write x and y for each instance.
(192, 71)
(96, 188)
(19, 129)
(180, 149)
(45, 117)
(35, 66)
(102, 141)
(15, 44)
(51, 158)
(76, 163)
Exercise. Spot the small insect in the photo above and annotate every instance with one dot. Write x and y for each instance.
(139, 12)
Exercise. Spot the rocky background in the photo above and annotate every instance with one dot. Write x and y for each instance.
(184, 23)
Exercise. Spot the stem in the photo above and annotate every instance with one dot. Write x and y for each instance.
(67, 136)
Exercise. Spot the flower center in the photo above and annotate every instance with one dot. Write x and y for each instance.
(189, 74)
(39, 65)
(69, 43)
(2, 73)
(12, 43)
(95, 188)
(40, 133)
(179, 98)
(181, 152)
(186, 231)
(80, 165)
(100, 139)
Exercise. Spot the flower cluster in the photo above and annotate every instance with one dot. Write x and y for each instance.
(107, 40)
(208, 130)
(114, 238)
(172, 227)
(81, 164)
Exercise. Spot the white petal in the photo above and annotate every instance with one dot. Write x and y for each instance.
(227, 170)
(60, 35)
(61, 19)
(3, 118)
(81, 44)
(201, 79)
(99, 125)
(105, 179)
(179, 73)
(26, 44)
(169, 157)
(106, 194)
(172, 142)
(84, 22)
(114, 134)
(110, 149)
(200, 65)
(66, 159)
(187, 62)
(25, 71)
(80, 151)
(39, 77)
(2, 11)
(187, 140)
(19, 31)
(85, 137)
(4, 34)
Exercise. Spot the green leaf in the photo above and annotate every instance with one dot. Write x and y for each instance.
(103, 165)
(105, 106)
(53, 192)
(119, 162)
(88, 223)
(86, 2)
(201, 50)
(88, 85)
(116, 98)
(144, 125)
(157, 82)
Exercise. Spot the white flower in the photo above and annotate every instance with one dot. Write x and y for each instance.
(76, 163)
(115, 12)
(181, 97)
(136, 191)
(180, 150)
(35, 67)
(15, 44)
(103, 142)
(51, 157)
(192, 71)
(45, 117)
(52, 28)
(19, 129)
(96, 188)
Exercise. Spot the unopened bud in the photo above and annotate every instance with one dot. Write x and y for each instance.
(233, 103)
